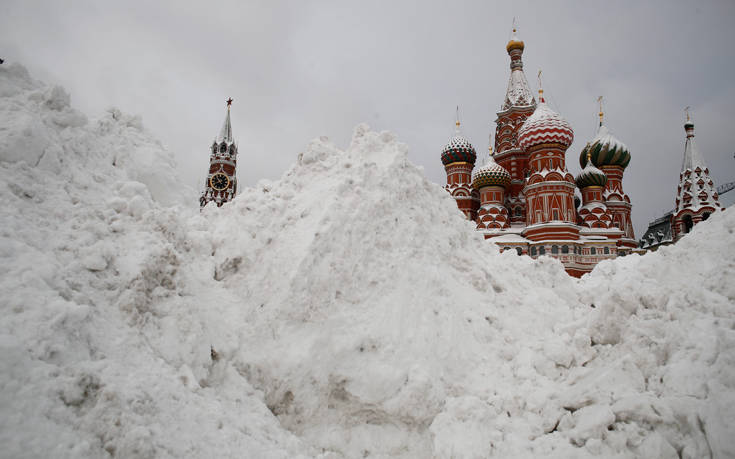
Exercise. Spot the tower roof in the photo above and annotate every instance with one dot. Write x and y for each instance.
(225, 134)
(491, 174)
(515, 42)
(604, 149)
(519, 93)
(590, 176)
(696, 189)
(458, 149)
(692, 156)
(545, 126)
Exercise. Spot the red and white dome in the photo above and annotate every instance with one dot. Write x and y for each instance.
(545, 126)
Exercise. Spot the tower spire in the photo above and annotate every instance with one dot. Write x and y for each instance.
(518, 94)
(456, 120)
(540, 89)
(225, 134)
(599, 100)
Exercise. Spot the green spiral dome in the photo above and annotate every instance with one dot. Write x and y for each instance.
(605, 150)
(591, 176)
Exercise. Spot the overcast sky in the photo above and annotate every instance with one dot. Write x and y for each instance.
(298, 70)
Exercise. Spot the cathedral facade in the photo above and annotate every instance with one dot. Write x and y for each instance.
(524, 199)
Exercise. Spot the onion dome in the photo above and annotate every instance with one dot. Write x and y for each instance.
(545, 126)
(591, 176)
(605, 150)
(490, 174)
(458, 149)
(514, 42)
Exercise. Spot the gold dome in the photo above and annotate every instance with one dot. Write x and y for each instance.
(514, 43)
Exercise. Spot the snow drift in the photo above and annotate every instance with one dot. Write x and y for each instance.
(345, 310)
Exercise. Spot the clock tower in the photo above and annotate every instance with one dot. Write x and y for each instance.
(221, 183)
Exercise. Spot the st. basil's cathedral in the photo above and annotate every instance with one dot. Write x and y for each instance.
(523, 197)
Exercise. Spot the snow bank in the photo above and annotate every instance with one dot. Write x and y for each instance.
(104, 346)
(345, 310)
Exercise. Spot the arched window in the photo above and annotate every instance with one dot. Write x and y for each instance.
(223, 148)
(518, 212)
(565, 249)
(705, 216)
(593, 251)
(519, 250)
(533, 251)
(554, 249)
(542, 250)
(607, 250)
(506, 248)
(688, 224)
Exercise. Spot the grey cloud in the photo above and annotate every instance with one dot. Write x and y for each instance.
(298, 70)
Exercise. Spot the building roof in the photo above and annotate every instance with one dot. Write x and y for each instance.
(519, 93)
(225, 134)
(545, 126)
(696, 188)
(605, 150)
(658, 232)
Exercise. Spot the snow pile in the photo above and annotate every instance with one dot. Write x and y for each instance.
(346, 310)
(104, 349)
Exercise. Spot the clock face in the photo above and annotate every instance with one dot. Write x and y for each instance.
(219, 181)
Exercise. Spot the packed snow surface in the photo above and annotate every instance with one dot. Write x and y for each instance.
(345, 310)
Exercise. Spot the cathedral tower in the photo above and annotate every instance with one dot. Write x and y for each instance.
(221, 183)
(458, 157)
(491, 181)
(549, 190)
(593, 213)
(518, 105)
(612, 156)
(696, 197)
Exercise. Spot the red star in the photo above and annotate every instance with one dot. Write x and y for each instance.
(229, 101)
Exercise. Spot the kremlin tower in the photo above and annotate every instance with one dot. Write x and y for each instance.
(221, 183)
(696, 196)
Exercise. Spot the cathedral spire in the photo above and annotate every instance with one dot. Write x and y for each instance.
(518, 93)
(540, 89)
(692, 157)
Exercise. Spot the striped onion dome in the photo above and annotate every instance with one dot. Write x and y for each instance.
(545, 126)
(457, 150)
(491, 174)
(591, 176)
(605, 150)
